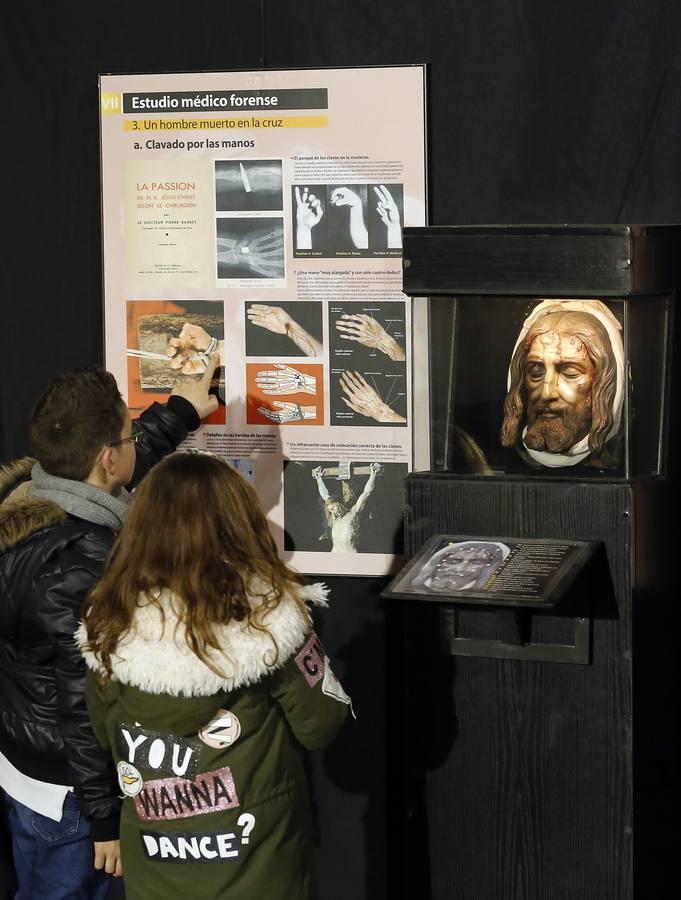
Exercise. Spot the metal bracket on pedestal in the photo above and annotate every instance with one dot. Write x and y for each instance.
(513, 628)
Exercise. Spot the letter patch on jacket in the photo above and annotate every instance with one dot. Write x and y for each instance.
(190, 846)
(310, 660)
(178, 798)
(149, 749)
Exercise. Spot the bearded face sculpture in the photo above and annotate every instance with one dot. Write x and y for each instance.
(564, 396)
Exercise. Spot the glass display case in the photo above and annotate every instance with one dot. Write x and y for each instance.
(557, 387)
(548, 349)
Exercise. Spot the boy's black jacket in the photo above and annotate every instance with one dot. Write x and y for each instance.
(49, 560)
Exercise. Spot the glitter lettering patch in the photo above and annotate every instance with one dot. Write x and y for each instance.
(310, 660)
(190, 846)
(149, 749)
(178, 798)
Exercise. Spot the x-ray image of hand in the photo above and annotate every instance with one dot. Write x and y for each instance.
(287, 412)
(250, 176)
(389, 212)
(248, 184)
(367, 331)
(365, 400)
(344, 196)
(261, 251)
(285, 380)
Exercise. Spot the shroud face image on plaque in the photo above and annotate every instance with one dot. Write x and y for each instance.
(460, 566)
(547, 387)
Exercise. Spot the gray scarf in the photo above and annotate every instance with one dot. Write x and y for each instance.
(80, 499)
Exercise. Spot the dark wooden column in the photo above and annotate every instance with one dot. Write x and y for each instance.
(531, 795)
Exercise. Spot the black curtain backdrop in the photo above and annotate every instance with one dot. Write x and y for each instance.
(538, 112)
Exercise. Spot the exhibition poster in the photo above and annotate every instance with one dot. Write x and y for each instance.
(258, 215)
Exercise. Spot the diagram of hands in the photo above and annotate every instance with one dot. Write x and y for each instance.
(375, 468)
(389, 213)
(277, 320)
(386, 208)
(273, 318)
(343, 196)
(191, 349)
(365, 400)
(367, 331)
(287, 412)
(309, 209)
(318, 472)
(262, 252)
(285, 380)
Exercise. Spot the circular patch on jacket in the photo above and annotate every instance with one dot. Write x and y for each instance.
(129, 779)
(222, 731)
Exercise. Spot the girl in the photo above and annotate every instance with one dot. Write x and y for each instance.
(204, 680)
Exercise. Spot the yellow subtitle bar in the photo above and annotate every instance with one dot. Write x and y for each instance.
(236, 123)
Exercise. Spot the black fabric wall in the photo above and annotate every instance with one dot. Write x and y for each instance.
(538, 112)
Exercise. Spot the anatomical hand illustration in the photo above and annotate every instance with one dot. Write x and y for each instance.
(287, 412)
(285, 380)
(365, 400)
(191, 349)
(389, 213)
(261, 251)
(367, 331)
(309, 212)
(279, 321)
(343, 196)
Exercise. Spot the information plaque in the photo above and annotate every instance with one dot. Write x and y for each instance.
(495, 571)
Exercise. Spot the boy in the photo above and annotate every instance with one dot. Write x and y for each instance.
(58, 521)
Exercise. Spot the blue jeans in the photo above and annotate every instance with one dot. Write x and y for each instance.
(54, 860)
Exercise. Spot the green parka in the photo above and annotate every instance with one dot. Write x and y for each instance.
(211, 765)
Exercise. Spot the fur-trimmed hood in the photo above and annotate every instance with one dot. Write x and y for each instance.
(156, 658)
(20, 515)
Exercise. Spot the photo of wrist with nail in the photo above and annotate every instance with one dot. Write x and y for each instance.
(248, 185)
(281, 393)
(172, 343)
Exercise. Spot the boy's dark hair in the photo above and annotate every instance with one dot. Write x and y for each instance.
(76, 415)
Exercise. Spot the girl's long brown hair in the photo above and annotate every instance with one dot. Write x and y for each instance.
(196, 528)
